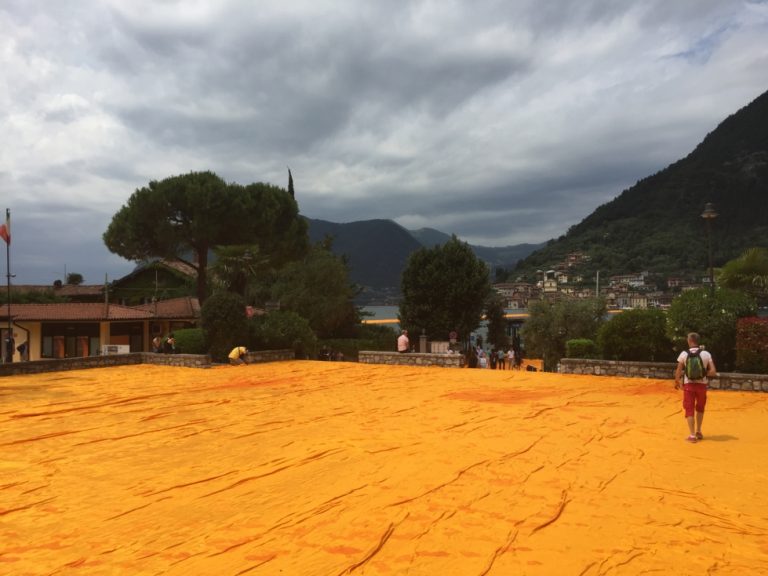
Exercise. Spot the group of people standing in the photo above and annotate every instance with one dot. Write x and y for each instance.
(166, 345)
(498, 359)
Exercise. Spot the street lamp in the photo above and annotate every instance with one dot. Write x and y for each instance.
(710, 214)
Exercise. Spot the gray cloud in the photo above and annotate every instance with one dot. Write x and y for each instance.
(504, 122)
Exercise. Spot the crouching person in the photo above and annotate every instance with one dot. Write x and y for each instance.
(238, 356)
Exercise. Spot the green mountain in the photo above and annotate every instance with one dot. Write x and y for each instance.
(430, 237)
(656, 225)
(378, 250)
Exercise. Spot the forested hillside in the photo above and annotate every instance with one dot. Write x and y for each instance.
(656, 225)
(376, 250)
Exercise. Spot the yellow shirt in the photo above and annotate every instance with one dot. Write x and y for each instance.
(237, 352)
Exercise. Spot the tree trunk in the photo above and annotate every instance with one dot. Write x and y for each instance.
(202, 269)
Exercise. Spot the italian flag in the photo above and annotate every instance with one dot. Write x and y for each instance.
(5, 229)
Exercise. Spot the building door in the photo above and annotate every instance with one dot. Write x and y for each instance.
(130, 333)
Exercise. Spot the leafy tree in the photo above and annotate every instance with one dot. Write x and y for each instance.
(193, 213)
(35, 297)
(282, 329)
(714, 317)
(318, 289)
(74, 278)
(748, 273)
(497, 326)
(638, 335)
(237, 269)
(581, 348)
(224, 324)
(550, 325)
(444, 288)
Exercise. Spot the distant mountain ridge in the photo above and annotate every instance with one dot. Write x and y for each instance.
(495, 257)
(377, 250)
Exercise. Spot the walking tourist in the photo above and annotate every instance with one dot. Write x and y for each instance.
(695, 366)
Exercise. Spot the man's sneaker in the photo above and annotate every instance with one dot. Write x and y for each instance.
(692, 439)
(699, 436)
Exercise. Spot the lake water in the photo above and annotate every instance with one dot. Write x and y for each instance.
(381, 312)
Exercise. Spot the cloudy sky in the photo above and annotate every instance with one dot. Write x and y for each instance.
(503, 121)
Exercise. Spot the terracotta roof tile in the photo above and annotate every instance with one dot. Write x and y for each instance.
(73, 311)
(184, 307)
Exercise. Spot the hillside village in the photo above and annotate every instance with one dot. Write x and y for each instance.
(624, 291)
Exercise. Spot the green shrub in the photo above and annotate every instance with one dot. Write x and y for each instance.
(224, 324)
(190, 341)
(636, 335)
(282, 329)
(752, 345)
(714, 318)
(581, 348)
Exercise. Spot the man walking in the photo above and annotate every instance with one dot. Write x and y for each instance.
(695, 366)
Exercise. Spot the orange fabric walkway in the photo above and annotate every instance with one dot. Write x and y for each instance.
(303, 468)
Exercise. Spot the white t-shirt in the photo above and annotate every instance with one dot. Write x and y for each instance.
(402, 343)
(706, 358)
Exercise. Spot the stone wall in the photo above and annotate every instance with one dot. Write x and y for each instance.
(411, 359)
(659, 370)
(183, 360)
(259, 356)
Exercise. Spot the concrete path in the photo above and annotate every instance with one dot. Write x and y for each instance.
(303, 468)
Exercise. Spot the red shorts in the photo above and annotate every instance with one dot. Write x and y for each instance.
(694, 394)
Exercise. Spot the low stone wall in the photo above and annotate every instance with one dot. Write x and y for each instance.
(411, 359)
(659, 370)
(183, 360)
(62, 364)
(259, 356)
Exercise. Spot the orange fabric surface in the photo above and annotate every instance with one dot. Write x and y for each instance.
(341, 468)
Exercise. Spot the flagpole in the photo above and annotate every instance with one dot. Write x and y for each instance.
(8, 355)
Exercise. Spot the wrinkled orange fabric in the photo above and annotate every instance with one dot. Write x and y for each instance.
(341, 468)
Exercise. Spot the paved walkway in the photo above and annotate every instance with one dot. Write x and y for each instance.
(303, 468)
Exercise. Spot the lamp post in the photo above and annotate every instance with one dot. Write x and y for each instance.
(710, 214)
